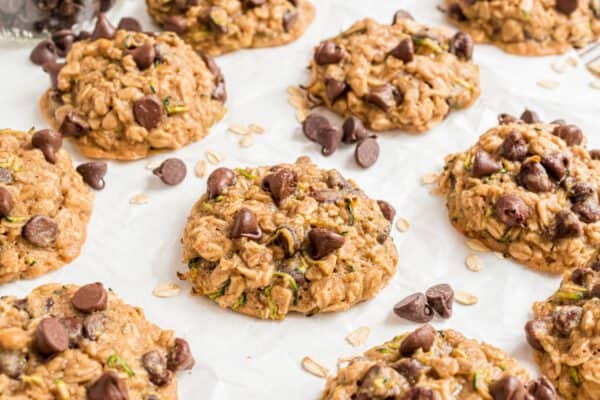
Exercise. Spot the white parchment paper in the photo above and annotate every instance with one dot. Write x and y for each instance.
(132, 248)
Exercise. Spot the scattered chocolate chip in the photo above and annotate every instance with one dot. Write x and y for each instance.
(566, 318)
(567, 225)
(588, 211)
(367, 152)
(40, 231)
(508, 387)
(326, 195)
(534, 330)
(143, 56)
(461, 45)
(405, 51)
(328, 53)
(90, 298)
(556, 164)
(53, 68)
(571, 134)
(108, 387)
(289, 20)
(409, 368)
(219, 180)
(354, 130)
(73, 125)
(51, 337)
(421, 338)
(93, 174)
(5, 175)
(245, 225)
(542, 389)
(567, 7)
(388, 211)
(175, 23)
(580, 276)
(382, 96)
(414, 308)
(530, 117)
(43, 53)
(49, 142)
(505, 119)
(281, 183)
(172, 171)
(401, 14)
(6, 202)
(93, 326)
(156, 365)
(533, 177)
(511, 210)
(441, 298)
(313, 124)
(12, 363)
(180, 356)
(74, 329)
(484, 164)
(324, 242)
(581, 191)
(129, 24)
(454, 11)
(329, 138)
(595, 154)
(514, 147)
(148, 111)
(103, 29)
(335, 89)
(63, 41)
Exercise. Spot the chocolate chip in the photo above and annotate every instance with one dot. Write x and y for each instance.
(400, 15)
(253, 3)
(129, 24)
(5, 175)
(581, 191)
(421, 338)
(73, 125)
(245, 225)
(595, 154)
(571, 134)
(143, 56)
(566, 318)
(219, 92)
(108, 387)
(93, 326)
(581, 276)
(514, 147)
(533, 177)
(367, 152)
(180, 356)
(328, 53)
(49, 142)
(329, 138)
(172, 171)
(93, 174)
(534, 330)
(511, 210)
(313, 124)
(595, 291)
(542, 389)
(148, 111)
(52, 68)
(408, 368)
(556, 164)
(103, 29)
(461, 45)
(83, 35)
(184, 5)
(382, 96)
(219, 180)
(508, 387)
(6, 202)
(12, 363)
(354, 130)
(335, 89)
(484, 164)
(282, 184)
(40, 231)
(567, 225)
(156, 365)
(90, 298)
(370, 386)
(567, 7)
(324, 242)
(414, 308)
(441, 298)
(74, 329)
(175, 23)
(530, 117)
(289, 20)
(588, 211)
(454, 11)
(51, 337)
(505, 119)
(388, 211)
(405, 51)
(44, 52)
(63, 41)
(419, 393)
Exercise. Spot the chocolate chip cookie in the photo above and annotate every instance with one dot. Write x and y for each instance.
(532, 28)
(405, 75)
(528, 189)
(564, 334)
(221, 26)
(124, 94)
(427, 364)
(69, 342)
(289, 238)
(44, 204)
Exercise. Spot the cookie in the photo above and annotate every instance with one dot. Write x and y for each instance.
(124, 95)
(428, 365)
(222, 26)
(404, 76)
(565, 335)
(69, 342)
(44, 205)
(289, 238)
(529, 191)
(530, 28)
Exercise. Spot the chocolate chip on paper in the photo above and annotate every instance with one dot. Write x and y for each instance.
(93, 174)
(172, 171)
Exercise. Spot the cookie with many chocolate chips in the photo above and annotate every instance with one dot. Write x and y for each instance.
(532, 28)
(44, 205)
(405, 76)
(124, 95)
(222, 26)
(528, 190)
(428, 365)
(69, 342)
(268, 241)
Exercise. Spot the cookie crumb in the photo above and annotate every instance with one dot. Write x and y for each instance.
(359, 336)
(429, 178)
(559, 66)
(465, 298)
(499, 255)
(595, 84)
(548, 84)
(168, 289)
(473, 263)
(402, 225)
(200, 169)
(139, 199)
(314, 368)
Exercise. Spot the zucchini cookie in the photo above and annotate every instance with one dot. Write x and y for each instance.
(530, 28)
(565, 334)
(432, 365)
(124, 94)
(221, 26)
(528, 189)
(402, 76)
(44, 205)
(289, 238)
(69, 342)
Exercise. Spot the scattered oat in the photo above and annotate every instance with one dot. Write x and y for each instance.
(402, 224)
(313, 367)
(572, 61)
(247, 141)
(139, 199)
(256, 128)
(430, 178)
(473, 263)
(594, 67)
(476, 245)
(239, 129)
(168, 289)
(499, 255)
(595, 84)
(465, 298)
(559, 66)
(359, 336)
(548, 84)
(200, 169)
(213, 157)
(153, 164)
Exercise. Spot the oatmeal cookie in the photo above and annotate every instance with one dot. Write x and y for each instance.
(44, 205)
(429, 365)
(125, 94)
(528, 190)
(402, 76)
(290, 238)
(565, 334)
(532, 27)
(74, 343)
(221, 26)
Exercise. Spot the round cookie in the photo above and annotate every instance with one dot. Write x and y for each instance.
(404, 76)
(44, 205)
(69, 342)
(222, 26)
(528, 190)
(289, 238)
(565, 334)
(429, 365)
(531, 28)
(124, 94)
